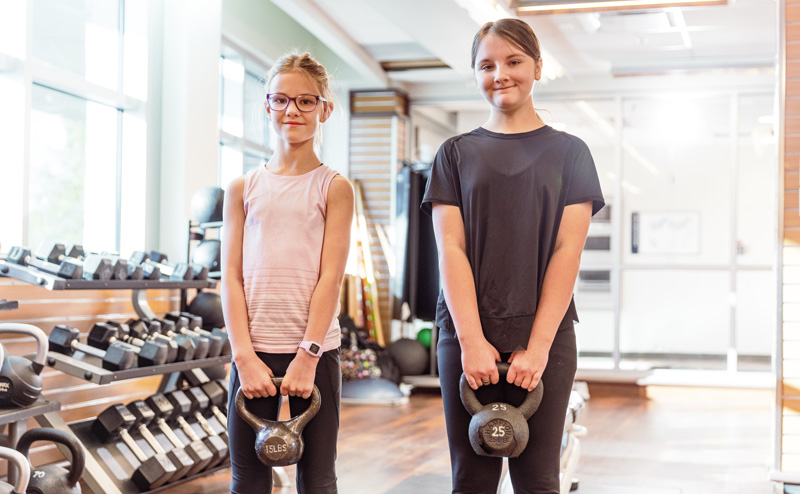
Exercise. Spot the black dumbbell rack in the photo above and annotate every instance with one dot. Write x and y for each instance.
(17, 417)
(118, 461)
(108, 466)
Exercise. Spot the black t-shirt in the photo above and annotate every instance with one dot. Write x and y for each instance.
(511, 190)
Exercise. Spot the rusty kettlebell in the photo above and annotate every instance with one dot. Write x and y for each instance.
(278, 443)
(499, 429)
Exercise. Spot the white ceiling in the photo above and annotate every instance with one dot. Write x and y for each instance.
(738, 38)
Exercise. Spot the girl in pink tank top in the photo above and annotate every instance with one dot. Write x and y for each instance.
(284, 249)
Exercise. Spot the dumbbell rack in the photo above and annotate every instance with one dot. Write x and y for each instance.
(17, 418)
(108, 466)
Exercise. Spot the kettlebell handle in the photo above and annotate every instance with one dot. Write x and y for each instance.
(297, 424)
(77, 457)
(41, 340)
(23, 468)
(527, 408)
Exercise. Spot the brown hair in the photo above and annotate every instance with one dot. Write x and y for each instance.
(302, 62)
(514, 31)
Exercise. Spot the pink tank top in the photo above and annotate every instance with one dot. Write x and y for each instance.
(281, 252)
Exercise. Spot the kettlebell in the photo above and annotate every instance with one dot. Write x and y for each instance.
(48, 479)
(499, 429)
(278, 443)
(17, 459)
(20, 380)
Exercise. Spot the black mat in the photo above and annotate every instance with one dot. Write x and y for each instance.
(423, 484)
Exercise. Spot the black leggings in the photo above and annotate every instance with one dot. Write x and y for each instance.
(536, 470)
(316, 472)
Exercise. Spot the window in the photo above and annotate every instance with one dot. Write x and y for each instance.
(244, 130)
(86, 130)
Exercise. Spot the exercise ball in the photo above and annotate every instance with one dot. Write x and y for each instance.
(411, 357)
(424, 337)
(207, 253)
(208, 305)
(206, 205)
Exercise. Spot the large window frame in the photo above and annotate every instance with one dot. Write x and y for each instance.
(240, 149)
(30, 73)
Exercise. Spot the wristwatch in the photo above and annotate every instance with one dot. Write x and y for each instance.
(313, 349)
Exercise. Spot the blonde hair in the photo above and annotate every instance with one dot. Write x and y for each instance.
(305, 63)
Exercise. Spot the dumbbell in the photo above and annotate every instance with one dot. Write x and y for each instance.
(140, 329)
(190, 347)
(200, 403)
(167, 328)
(93, 268)
(113, 423)
(144, 415)
(65, 339)
(199, 272)
(183, 406)
(182, 326)
(197, 450)
(196, 325)
(218, 397)
(149, 352)
(180, 271)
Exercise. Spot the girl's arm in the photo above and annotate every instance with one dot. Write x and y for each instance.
(478, 356)
(254, 375)
(528, 365)
(299, 379)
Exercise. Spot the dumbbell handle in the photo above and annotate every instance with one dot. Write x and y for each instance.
(126, 437)
(88, 349)
(221, 418)
(151, 440)
(205, 425)
(129, 340)
(167, 430)
(187, 429)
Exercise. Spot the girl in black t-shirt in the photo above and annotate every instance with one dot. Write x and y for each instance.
(511, 204)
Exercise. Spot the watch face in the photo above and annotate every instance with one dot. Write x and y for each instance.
(314, 348)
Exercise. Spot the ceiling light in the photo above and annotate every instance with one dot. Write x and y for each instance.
(562, 8)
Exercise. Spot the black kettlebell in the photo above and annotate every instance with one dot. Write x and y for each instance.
(20, 380)
(18, 460)
(49, 479)
(499, 429)
(278, 443)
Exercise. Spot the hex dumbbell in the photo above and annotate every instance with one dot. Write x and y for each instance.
(218, 396)
(201, 403)
(197, 451)
(149, 352)
(183, 406)
(183, 326)
(113, 423)
(144, 415)
(65, 339)
(140, 329)
(168, 329)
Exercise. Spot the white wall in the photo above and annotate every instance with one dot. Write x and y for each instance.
(189, 113)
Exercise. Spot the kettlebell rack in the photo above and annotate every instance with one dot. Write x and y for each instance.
(109, 466)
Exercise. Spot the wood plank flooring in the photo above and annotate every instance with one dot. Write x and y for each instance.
(655, 440)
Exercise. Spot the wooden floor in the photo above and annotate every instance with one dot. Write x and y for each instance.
(657, 440)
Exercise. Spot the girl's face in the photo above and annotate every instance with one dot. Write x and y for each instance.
(291, 124)
(505, 73)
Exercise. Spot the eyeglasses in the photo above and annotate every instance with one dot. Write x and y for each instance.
(304, 102)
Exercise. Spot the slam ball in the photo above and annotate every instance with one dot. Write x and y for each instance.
(206, 205)
(411, 357)
(208, 305)
(424, 337)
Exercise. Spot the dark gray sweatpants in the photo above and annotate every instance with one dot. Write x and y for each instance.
(536, 470)
(316, 472)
